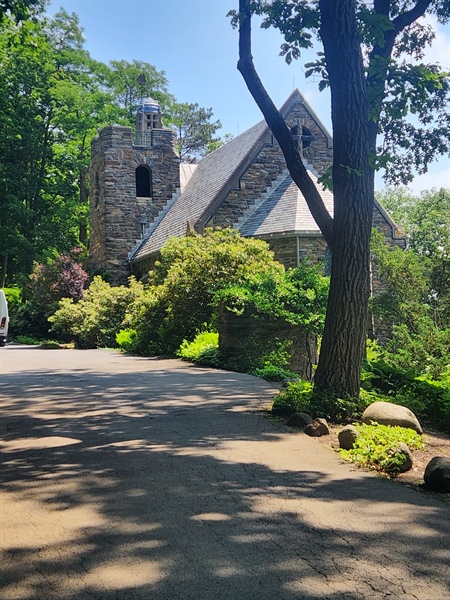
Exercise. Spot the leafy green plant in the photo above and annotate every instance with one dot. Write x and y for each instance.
(299, 396)
(428, 398)
(191, 271)
(296, 397)
(193, 350)
(376, 447)
(211, 357)
(126, 339)
(336, 409)
(27, 340)
(271, 372)
(94, 321)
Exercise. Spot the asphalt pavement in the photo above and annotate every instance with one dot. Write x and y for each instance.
(125, 478)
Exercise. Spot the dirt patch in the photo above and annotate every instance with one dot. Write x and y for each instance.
(436, 444)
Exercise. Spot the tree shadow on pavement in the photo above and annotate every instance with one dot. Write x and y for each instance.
(169, 484)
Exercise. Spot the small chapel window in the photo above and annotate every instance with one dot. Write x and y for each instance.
(144, 182)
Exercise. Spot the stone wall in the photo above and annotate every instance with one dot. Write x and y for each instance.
(115, 211)
(268, 165)
(287, 253)
(239, 334)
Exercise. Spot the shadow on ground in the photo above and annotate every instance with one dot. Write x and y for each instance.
(164, 485)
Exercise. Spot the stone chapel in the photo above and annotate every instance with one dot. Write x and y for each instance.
(141, 194)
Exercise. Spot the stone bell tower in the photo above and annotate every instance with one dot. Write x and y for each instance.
(132, 178)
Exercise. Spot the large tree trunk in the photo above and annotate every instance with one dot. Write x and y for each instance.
(348, 234)
(345, 331)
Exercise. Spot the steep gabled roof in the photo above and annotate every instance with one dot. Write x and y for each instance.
(215, 176)
(285, 211)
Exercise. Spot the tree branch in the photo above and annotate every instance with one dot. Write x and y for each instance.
(406, 19)
(279, 128)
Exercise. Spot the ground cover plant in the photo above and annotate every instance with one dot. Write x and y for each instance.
(377, 447)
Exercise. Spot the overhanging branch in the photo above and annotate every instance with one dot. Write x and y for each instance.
(406, 19)
(279, 128)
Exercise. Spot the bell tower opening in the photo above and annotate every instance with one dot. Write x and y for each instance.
(148, 118)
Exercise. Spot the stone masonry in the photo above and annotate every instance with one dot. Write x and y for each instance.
(269, 164)
(117, 215)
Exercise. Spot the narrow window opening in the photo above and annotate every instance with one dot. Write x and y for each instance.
(143, 182)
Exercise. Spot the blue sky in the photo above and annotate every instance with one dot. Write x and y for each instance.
(193, 42)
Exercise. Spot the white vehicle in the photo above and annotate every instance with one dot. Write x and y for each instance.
(4, 318)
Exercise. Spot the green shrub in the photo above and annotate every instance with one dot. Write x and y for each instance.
(273, 373)
(428, 398)
(13, 296)
(190, 272)
(299, 396)
(193, 350)
(211, 357)
(27, 340)
(376, 447)
(296, 397)
(336, 409)
(94, 321)
(126, 339)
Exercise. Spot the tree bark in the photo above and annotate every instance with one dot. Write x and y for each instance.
(343, 342)
(348, 234)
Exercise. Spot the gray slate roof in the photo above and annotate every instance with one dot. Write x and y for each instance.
(215, 173)
(285, 211)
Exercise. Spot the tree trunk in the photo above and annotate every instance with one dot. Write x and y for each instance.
(343, 342)
(348, 234)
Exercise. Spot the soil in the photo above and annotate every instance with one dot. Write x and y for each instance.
(436, 444)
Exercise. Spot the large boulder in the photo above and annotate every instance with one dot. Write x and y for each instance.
(437, 474)
(387, 413)
(299, 419)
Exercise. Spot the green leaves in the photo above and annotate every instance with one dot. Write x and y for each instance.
(194, 128)
(376, 446)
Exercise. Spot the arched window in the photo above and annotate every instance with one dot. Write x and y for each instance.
(143, 182)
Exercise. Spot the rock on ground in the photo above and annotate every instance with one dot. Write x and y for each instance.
(437, 474)
(387, 413)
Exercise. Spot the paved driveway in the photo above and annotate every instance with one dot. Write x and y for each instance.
(128, 478)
